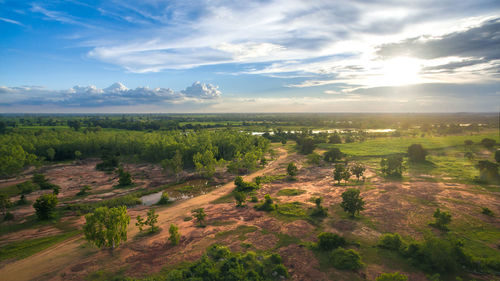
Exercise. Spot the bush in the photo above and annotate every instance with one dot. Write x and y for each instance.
(45, 206)
(319, 211)
(333, 155)
(268, 204)
(488, 143)
(42, 182)
(391, 242)
(164, 199)
(8, 216)
(392, 166)
(84, 190)
(351, 202)
(442, 219)
(240, 198)
(243, 186)
(345, 259)
(328, 241)
(416, 153)
(292, 170)
(487, 212)
(174, 234)
(125, 178)
(396, 276)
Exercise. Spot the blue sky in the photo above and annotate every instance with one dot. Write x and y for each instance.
(249, 56)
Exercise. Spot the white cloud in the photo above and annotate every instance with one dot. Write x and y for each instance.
(114, 95)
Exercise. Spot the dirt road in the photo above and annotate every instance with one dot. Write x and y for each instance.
(46, 264)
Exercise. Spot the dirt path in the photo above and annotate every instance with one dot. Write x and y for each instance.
(41, 265)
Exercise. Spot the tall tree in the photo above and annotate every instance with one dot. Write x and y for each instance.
(351, 202)
(107, 227)
(45, 206)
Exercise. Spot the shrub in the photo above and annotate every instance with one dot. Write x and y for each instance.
(328, 241)
(345, 259)
(84, 190)
(174, 234)
(442, 219)
(437, 255)
(416, 153)
(487, 212)
(392, 166)
(151, 220)
(8, 216)
(292, 170)
(45, 206)
(243, 186)
(240, 198)
(268, 204)
(199, 215)
(314, 159)
(164, 199)
(396, 276)
(333, 155)
(319, 211)
(488, 143)
(391, 242)
(125, 178)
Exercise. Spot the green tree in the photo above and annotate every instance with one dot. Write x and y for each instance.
(140, 223)
(335, 138)
(391, 242)
(268, 204)
(51, 153)
(107, 227)
(306, 145)
(199, 215)
(488, 171)
(292, 170)
(45, 206)
(174, 234)
(416, 153)
(346, 175)
(396, 276)
(240, 198)
(13, 158)
(205, 163)
(345, 259)
(78, 155)
(4, 203)
(392, 166)
(358, 170)
(124, 178)
(333, 155)
(151, 220)
(442, 219)
(328, 241)
(319, 211)
(488, 143)
(314, 159)
(75, 124)
(338, 173)
(497, 156)
(351, 202)
(175, 164)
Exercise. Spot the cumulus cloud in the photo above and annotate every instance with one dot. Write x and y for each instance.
(202, 91)
(114, 95)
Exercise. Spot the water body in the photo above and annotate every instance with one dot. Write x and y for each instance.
(151, 199)
(370, 131)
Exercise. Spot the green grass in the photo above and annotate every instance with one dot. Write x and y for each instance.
(228, 198)
(290, 192)
(290, 211)
(392, 145)
(285, 240)
(240, 231)
(272, 178)
(25, 248)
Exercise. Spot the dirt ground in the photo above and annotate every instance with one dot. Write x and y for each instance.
(401, 207)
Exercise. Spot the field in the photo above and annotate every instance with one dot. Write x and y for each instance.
(449, 179)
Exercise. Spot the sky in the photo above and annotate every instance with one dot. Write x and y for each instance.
(155, 56)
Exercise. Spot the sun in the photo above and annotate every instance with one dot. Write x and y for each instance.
(400, 71)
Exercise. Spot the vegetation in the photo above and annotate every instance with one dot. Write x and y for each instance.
(107, 227)
(395, 276)
(268, 204)
(290, 192)
(392, 166)
(84, 190)
(416, 153)
(333, 155)
(345, 259)
(391, 241)
(240, 198)
(199, 215)
(488, 212)
(358, 170)
(351, 202)
(243, 186)
(45, 206)
(125, 178)
(292, 170)
(151, 220)
(174, 237)
(328, 241)
(319, 211)
(442, 219)
(164, 199)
